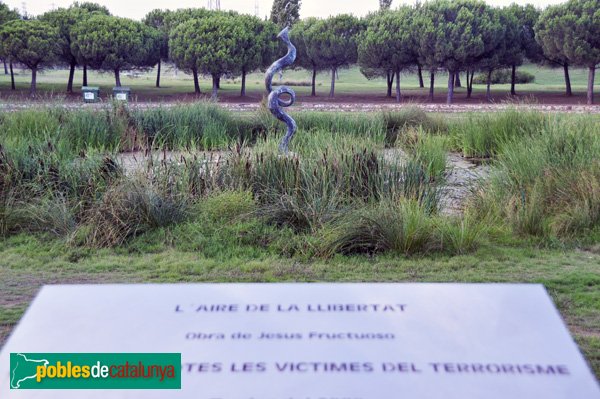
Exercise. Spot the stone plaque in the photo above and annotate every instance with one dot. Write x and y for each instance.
(316, 341)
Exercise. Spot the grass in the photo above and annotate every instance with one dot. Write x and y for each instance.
(547, 182)
(356, 200)
(571, 276)
(53, 83)
(483, 135)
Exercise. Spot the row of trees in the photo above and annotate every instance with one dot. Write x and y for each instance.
(458, 36)
(197, 41)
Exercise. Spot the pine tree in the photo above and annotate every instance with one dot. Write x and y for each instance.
(385, 4)
(285, 12)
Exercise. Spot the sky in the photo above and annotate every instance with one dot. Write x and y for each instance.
(136, 9)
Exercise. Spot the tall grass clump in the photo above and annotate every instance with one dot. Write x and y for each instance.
(131, 207)
(548, 185)
(427, 150)
(397, 226)
(360, 125)
(101, 130)
(397, 123)
(460, 235)
(29, 125)
(308, 188)
(202, 125)
(46, 188)
(483, 135)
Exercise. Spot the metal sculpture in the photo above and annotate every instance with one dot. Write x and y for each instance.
(275, 102)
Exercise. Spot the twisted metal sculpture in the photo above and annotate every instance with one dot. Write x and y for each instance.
(275, 103)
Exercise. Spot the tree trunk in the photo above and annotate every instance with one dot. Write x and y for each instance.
(488, 94)
(332, 91)
(451, 76)
(470, 75)
(398, 94)
(85, 82)
(420, 73)
(567, 80)
(467, 72)
(243, 91)
(590, 89)
(117, 78)
(215, 87)
(313, 92)
(5, 67)
(457, 82)
(33, 81)
(218, 82)
(390, 82)
(431, 85)
(12, 77)
(513, 81)
(71, 76)
(158, 74)
(196, 82)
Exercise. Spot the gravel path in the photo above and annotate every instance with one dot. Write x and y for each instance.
(462, 178)
(329, 107)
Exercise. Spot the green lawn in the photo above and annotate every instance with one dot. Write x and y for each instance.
(351, 81)
(571, 276)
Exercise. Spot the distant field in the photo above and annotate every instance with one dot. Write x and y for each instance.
(351, 86)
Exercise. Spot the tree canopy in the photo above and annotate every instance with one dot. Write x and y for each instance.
(64, 19)
(257, 45)
(304, 59)
(454, 34)
(157, 19)
(333, 41)
(91, 7)
(388, 43)
(6, 14)
(31, 43)
(385, 4)
(285, 12)
(508, 51)
(115, 44)
(571, 32)
(209, 46)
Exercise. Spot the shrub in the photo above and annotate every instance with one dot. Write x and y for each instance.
(504, 76)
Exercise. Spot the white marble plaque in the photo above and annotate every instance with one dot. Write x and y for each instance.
(317, 341)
